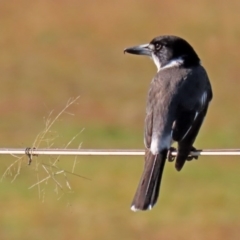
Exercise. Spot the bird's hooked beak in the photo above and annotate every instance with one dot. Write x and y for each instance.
(144, 49)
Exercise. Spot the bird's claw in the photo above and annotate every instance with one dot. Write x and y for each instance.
(170, 157)
(190, 158)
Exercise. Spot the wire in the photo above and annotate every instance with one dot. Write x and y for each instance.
(109, 152)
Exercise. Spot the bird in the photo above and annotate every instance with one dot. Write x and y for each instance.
(177, 103)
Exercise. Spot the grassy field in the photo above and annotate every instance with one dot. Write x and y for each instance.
(52, 51)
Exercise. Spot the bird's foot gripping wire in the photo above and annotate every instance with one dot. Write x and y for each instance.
(190, 158)
(28, 152)
(170, 157)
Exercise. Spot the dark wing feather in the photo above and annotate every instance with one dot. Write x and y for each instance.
(189, 121)
(185, 145)
(182, 124)
(190, 113)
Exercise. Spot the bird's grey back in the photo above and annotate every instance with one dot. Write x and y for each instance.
(172, 88)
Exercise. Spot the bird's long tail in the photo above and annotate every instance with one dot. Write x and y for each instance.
(148, 189)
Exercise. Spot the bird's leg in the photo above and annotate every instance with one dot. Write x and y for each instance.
(189, 158)
(170, 157)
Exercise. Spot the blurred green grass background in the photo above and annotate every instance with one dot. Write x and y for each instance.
(55, 50)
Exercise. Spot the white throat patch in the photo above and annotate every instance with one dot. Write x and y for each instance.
(156, 61)
(173, 63)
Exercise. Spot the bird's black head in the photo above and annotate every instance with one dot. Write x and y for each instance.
(166, 49)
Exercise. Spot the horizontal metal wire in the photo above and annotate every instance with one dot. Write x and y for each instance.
(110, 152)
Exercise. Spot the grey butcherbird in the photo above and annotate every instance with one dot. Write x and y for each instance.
(177, 103)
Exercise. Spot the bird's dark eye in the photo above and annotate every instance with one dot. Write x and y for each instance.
(158, 46)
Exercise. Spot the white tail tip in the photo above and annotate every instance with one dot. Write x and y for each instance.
(134, 209)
